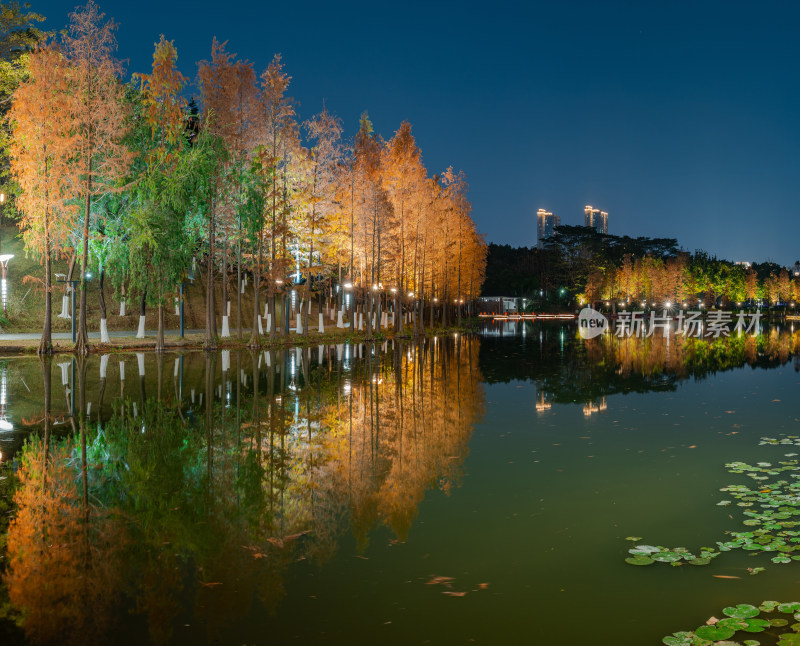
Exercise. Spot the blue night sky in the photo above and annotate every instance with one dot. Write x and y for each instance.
(679, 118)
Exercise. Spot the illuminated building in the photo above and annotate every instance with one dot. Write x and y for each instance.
(546, 223)
(595, 218)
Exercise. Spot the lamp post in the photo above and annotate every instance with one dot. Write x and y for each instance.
(4, 284)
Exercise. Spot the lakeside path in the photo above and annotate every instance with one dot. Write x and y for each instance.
(121, 340)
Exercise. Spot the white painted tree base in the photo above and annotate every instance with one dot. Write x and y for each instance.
(177, 307)
(140, 332)
(226, 360)
(269, 324)
(321, 323)
(340, 319)
(64, 307)
(229, 308)
(320, 350)
(226, 330)
(140, 360)
(64, 374)
(177, 368)
(299, 325)
(122, 371)
(104, 332)
(122, 307)
(266, 309)
(103, 366)
(260, 326)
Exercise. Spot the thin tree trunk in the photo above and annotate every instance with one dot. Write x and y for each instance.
(46, 344)
(160, 337)
(82, 339)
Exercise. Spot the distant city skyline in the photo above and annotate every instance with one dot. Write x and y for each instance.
(546, 223)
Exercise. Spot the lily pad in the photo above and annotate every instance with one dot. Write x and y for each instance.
(742, 611)
(714, 633)
(792, 606)
(756, 625)
(639, 560)
(700, 561)
(667, 557)
(679, 639)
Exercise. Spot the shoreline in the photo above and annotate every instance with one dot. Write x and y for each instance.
(196, 341)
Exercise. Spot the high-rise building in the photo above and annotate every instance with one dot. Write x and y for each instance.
(595, 218)
(546, 223)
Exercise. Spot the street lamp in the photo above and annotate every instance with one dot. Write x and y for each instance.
(4, 284)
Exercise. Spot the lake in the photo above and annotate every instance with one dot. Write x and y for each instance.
(459, 490)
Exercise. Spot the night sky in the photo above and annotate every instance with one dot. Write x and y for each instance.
(679, 118)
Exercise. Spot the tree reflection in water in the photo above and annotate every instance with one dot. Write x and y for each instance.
(195, 507)
(568, 369)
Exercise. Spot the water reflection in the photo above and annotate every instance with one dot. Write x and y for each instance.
(189, 497)
(567, 369)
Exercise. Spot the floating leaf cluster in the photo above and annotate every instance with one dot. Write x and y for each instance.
(771, 512)
(744, 618)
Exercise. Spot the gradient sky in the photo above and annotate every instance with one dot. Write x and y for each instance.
(679, 118)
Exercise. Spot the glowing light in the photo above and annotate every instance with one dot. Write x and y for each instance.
(348, 285)
(669, 304)
(411, 294)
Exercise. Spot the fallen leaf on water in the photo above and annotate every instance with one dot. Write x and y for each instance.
(292, 537)
(363, 558)
(440, 579)
(277, 542)
(711, 621)
(210, 584)
(725, 576)
(776, 400)
(693, 446)
(452, 593)
(483, 586)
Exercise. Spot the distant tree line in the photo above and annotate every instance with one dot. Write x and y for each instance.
(590, 266)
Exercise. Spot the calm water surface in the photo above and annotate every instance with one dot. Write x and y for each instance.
(463, 490)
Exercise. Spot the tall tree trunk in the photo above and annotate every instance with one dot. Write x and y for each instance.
(211, 313)
(46, 344)
(160, 337)
(239, 290)
(82, 339)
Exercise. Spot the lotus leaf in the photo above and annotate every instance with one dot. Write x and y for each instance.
(791, 607)
(756, 625)
(714, 633)
(742, 611)
(639, 560)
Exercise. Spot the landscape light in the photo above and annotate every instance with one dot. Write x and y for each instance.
(669, 304)
(411, 294)
(348, 285)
